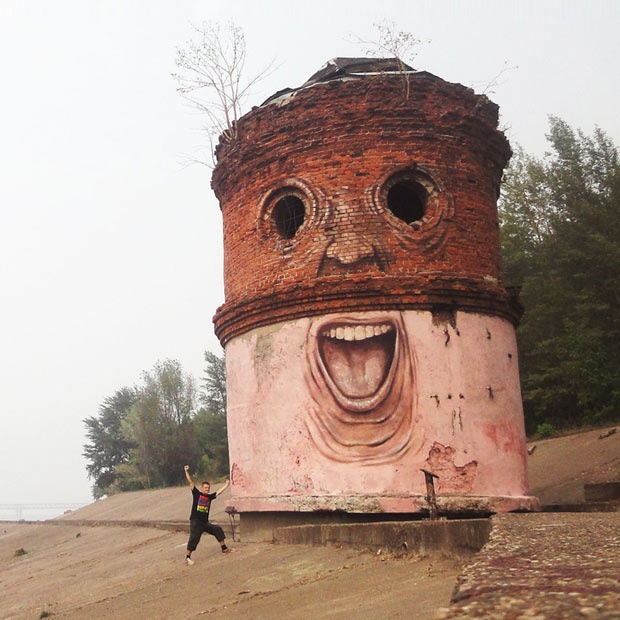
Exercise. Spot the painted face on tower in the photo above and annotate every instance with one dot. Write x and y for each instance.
(361, 370)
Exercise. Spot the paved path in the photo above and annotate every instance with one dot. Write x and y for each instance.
(546, 566)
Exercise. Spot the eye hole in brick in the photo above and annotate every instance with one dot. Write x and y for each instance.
(406, 199)
(288, 215)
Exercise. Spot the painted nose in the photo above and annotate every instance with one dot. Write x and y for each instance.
(350, 248)
(349, 244)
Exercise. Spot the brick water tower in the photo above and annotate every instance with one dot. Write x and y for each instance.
(367, 332)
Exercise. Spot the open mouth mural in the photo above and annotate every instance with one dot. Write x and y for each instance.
(361, 381)
(358, 362)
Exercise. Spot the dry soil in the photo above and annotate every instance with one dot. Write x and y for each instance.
(81, 567)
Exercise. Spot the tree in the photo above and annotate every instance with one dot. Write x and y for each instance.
(211, 78)
(213, 394)
(561, 242)
(108, 448)
(398, 44)
(144, 435)
(160, 427)
(210, 423)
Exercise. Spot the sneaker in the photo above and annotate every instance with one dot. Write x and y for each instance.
(189, 561)
(225, 549)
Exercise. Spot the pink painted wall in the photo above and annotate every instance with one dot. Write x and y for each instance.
(342, 411)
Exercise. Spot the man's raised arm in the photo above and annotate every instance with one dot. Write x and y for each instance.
(189, 478)
(226, 485)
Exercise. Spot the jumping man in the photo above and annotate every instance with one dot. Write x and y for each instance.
(199, 518)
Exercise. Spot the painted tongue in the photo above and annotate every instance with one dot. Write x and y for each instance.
(358, 367)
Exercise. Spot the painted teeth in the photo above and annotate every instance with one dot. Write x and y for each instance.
(356, 332)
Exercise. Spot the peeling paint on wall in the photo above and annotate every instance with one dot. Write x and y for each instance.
(451, 478)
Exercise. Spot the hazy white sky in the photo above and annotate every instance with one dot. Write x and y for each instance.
(110, 249)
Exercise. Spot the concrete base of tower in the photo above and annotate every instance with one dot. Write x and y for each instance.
(261, 517)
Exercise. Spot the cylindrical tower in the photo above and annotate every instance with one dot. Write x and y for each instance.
(367, 331)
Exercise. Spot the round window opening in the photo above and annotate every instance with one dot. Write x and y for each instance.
(288, 215)
(406, 199)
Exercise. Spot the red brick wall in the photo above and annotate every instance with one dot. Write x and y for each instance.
(335, 145)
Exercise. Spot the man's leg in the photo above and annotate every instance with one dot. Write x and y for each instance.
(218, 532)
(195, 532)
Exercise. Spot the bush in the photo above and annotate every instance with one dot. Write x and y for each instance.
(545, 430)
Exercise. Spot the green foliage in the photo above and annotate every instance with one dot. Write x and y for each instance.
(212, 438)
(213, 395)
(143, 436)
(561, 243)
(160, 427)
(545, 430)
(210, 423)
(108, 447)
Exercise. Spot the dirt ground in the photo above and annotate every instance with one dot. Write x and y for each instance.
(559, 467)
(71, 570)
(119, 573)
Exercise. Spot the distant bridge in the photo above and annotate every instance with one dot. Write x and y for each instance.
(16, 511)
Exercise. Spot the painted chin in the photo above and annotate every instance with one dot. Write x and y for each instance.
(358, 360)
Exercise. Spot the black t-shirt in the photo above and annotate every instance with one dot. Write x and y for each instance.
(201, 504)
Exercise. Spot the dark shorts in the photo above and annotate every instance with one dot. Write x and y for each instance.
(196, 529)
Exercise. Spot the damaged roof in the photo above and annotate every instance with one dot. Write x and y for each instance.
(343, 68)
(339, 67)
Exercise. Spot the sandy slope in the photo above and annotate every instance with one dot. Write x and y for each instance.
(71, 570)
(122, 573)
(559, 467)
